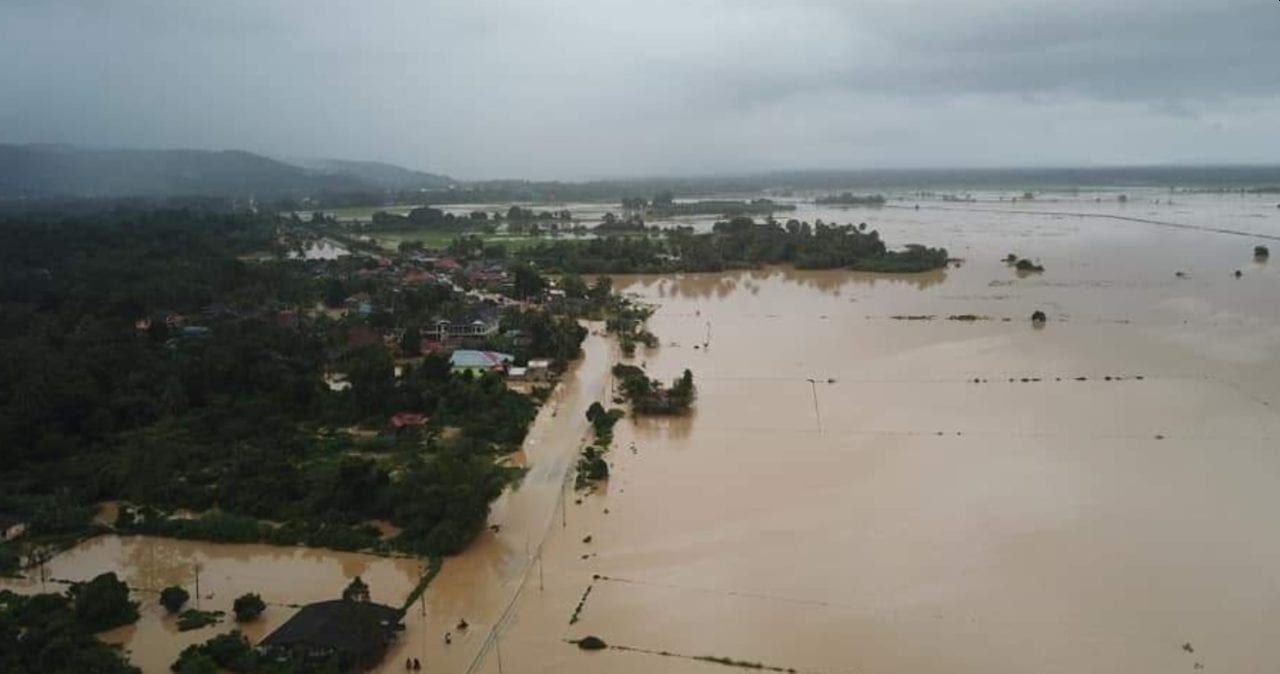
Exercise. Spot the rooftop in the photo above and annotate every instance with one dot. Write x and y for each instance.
(353, 628)
(466, 358)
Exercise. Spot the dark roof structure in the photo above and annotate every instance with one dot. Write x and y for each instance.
(355, 630)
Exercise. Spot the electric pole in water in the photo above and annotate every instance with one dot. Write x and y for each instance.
(197, 568)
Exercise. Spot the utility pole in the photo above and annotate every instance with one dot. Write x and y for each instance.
(539, 569)
(497, 646)
(41, 555)
(197, 567)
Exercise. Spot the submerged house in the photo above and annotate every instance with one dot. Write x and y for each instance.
(353, 634)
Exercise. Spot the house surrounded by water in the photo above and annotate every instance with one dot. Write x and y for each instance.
(352, 634)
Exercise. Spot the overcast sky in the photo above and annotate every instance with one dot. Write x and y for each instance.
(590, 88)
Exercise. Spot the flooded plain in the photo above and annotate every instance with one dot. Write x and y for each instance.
(285, 578)
(859, 491)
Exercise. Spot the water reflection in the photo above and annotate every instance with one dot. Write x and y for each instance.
(657, 429)
(720, 285)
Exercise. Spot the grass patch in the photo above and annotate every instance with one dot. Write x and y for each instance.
(193, 619)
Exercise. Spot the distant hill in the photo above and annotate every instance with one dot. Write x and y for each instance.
(58, 171)
(378, 174)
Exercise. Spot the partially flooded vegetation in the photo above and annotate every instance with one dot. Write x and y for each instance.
(412, 412)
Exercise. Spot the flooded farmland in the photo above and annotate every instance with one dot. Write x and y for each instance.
(881, 473)
(859, 493)
(286, 578)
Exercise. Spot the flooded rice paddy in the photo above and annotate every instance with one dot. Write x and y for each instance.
(846, 498)
(855, 492)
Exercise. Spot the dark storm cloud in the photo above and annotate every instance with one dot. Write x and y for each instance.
(595, 87)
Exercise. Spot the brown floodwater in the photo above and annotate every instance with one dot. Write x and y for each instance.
(284, 577)
(845, 497)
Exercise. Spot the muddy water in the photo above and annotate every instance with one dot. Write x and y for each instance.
(285, 578)
(482, 583)
(846, 498)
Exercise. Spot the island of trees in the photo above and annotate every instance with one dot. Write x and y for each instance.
(664, 205)
(649, 396)
(850, 199)
(1023, 265)
(737, 243)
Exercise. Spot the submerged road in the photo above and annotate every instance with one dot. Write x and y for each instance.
(483, 583)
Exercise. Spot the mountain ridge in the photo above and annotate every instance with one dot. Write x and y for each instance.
(47, 171)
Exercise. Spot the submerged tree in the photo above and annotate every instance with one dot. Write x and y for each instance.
(103, 603)
(356, 591)
(249, 606)
(172, 598)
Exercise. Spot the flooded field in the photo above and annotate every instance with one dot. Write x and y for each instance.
(866, 484)
(847, 498)
(286, 578)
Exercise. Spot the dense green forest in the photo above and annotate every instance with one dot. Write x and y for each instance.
(229, 412)
(735, 244)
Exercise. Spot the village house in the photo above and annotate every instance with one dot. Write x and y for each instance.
(356, 633)
(402, 420)
(12, 526)
(476, 325)
(336, 381)
(467, 360)
(538, 369)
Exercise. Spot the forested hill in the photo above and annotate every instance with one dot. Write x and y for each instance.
(59, 171)
(378, 174)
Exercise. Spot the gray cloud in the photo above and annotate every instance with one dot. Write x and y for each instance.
(576, 88)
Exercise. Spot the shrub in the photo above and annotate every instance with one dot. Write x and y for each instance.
(192, 619)
(248, 606)
(173, 597)
(103, 603)
(592, 643)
